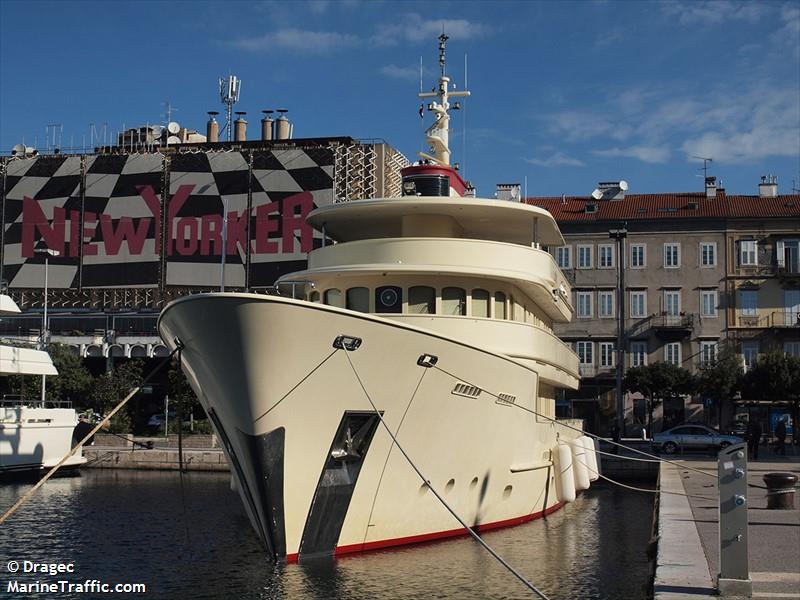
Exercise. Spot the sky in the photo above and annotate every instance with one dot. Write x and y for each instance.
(565, 94)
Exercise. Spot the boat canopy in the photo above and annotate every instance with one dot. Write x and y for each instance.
(421, 216)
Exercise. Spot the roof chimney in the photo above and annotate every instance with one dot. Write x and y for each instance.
(509, 191)
(711, 187)
(768, 188)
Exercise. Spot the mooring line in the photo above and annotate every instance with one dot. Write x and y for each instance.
(592, 435)
(80, 444)
(469, 529)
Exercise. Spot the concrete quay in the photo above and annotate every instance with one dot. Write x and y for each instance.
(688, 530)
(164, 459)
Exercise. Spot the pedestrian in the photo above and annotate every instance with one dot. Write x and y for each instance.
(780, 437)
(753, 437)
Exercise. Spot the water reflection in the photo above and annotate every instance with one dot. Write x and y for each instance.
(120, 526)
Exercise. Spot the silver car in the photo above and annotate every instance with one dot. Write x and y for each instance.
(692, 437)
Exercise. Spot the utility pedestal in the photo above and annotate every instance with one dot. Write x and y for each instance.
(734, 573)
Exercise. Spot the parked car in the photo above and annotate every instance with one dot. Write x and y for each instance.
(692, 437)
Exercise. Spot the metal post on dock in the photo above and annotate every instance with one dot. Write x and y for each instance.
(734, 574)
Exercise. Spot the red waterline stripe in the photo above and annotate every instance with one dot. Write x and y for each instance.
(429, 537)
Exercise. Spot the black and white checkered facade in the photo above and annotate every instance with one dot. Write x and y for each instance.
(156, 221)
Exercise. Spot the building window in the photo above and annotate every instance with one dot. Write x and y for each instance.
(480, 303)
(672, 353)
(708, 254)
(605, 256)
(584, 304)
(672, 256)
(708, 352)
(358, 299)
(639, 304)
(606, 354)
(499, 305)
(672, 303)
(638, 354)
(708, 303)
(564, 257)
(791, 307)
(749, 355)
(788, 255)
(585, 257)
(638, 256)
(333, 297)
(748, 253)
(605, 304)
(748, 300)
(585, 351)
(454, 301)
(792, 348)
(421, 300)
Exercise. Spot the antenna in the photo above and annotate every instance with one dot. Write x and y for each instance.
(442, 40)
(464, 128)
(706, 161)
(229, 90)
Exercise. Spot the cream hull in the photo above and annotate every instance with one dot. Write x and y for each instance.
(32, 439)
(282, 398)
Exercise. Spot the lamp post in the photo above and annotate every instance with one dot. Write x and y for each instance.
(620, 235)
(47, 254)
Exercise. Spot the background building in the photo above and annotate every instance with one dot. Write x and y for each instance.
(699, 269)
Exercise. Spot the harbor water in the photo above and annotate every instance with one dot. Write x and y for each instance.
(190, 538)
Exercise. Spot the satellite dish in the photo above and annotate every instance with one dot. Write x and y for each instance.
(597, 194)
(173, 139)
(623, 185)
(18, 149)
(173, 127)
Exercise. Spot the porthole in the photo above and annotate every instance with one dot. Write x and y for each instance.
(423, 489)
(507, 491)
(474, 483)
(449, 486)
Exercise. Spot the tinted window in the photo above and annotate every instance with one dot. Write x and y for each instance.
(421, 300)
(499, 305)
(314, 296)
(358, 299)
(454, 301)
(480, 303)
(389, 299)
(333, 297)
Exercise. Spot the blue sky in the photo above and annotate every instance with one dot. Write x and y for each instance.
(564, 93)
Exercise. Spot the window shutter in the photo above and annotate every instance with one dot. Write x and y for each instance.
(780, 253)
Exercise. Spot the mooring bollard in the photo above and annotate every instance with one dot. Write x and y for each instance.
(734, 573)
(780, 490)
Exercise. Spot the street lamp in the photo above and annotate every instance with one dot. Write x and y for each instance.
(620, 235)
(47, 254)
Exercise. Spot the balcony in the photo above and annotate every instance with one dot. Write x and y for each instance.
(596, 371)
(789, 275)
(753, 321)
(672, 326)
(785, 318)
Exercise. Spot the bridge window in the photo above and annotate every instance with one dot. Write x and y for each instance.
(313, 297)
(500, 305)
(454, 301)
(421, 300)
(358, 299)
(480, 303)
(333, 297)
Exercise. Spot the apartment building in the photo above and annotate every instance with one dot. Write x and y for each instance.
(698, 268)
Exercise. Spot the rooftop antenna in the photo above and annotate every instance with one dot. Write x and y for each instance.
(53, 132)
(229, 89)
(438, 134)
(706, 161)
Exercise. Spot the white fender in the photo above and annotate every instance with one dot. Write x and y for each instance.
(565, 480)
(591, 458)
(579, 464)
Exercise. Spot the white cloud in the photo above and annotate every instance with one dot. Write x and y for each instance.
(558, 159)
(714, 12)
(413, 28)
(404, 73)
(298, 40)
(648, 154)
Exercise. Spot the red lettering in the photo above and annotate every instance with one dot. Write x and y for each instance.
(294, 221)
(153, 202)
(33, 219)
(89, 249)
(74, 233)
(175, 204)
(186, 238)
(265, 226)
(210, 235)
(237, 232)
(125, 232)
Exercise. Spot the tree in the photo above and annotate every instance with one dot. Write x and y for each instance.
(181, 394)
(775, 377)
(109, 389)
(657, 382)
(720, 380)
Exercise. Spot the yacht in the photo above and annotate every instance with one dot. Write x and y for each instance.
(411, 364)
(33, 437)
